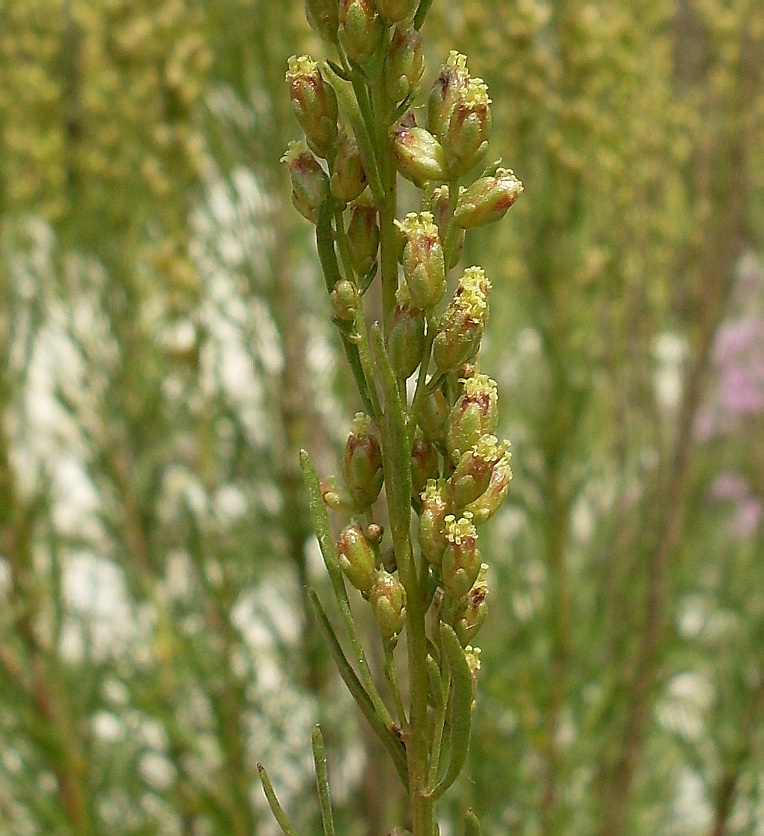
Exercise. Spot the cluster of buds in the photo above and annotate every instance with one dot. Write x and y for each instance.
(359, 130)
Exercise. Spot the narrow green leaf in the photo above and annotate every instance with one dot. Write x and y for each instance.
(350, 111)
(384, 732)
(460, 708)
(322, 781)
(397, 461)
(330, 268)
(273, 802)
(421, 13)
(471, 824)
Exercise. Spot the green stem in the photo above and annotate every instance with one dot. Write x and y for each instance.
(392, 677)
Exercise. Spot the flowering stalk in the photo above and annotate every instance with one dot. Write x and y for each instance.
(434, 451)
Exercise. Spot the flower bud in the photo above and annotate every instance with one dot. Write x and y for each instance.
(363, 237)
(432, 522)
(348, 178)
(489, 502)
(344, 299)
(472, 616)
(335, 494)
(487, 199)
(462, 325)
(453, 78)
(473, 472)
(419, 155)
(323, 17)
(424, 464)
(388, 603)
(433, 415)
(466, 140)
(423, 266)
(356, 557)
(405, 343)
(404, 63)
(475, 414)
(461, 558)
(360, 29)
(314, 103)
(374, 533)
(395, 10)
(310, 185)
(362, 462)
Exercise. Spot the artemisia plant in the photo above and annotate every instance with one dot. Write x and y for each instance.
(427, 433)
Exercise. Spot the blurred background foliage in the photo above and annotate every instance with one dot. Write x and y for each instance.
(165, 349)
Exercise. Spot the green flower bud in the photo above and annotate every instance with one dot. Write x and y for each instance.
(475, 414)
(362, 462)
(462, 325)
(404, 63)
(487, 199)
(473, 472)
(433, 415)
(395, 10)
(405, 342)
(423, 265)
(310, 185)
(466, 140)
(424, 464)
(314, 104)
(344, 299)
(439, 209)
(357, 557)
(348, 178)
(472, 615)
(432, 522)
(360, 29)
(461, 558)
(419, 155)
(489, 502)
(388, 603)
(453, 78)
(335, 494)
(363, 237)
(323, 17)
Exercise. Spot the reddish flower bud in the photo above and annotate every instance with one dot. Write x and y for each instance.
(461, 558)
(335, 494)
(388, 603)
(404, 63)
(473, 472)
(348, 178)
(432, 522)
(314, 103)
(363, 237)
(362, 462)
(453, 78)
(323, 16)
(424, 464)
(474, 609)
(475, 414)
(374, 533)
(462, 325)
(357, 558)
(489, 502)
(395, 10)
(419, 155)
(466, 139)
(487, 199)
(405, 343)
(423, 266)
(344, 299)
(310, 185)
(360, 29)
(433, 415)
